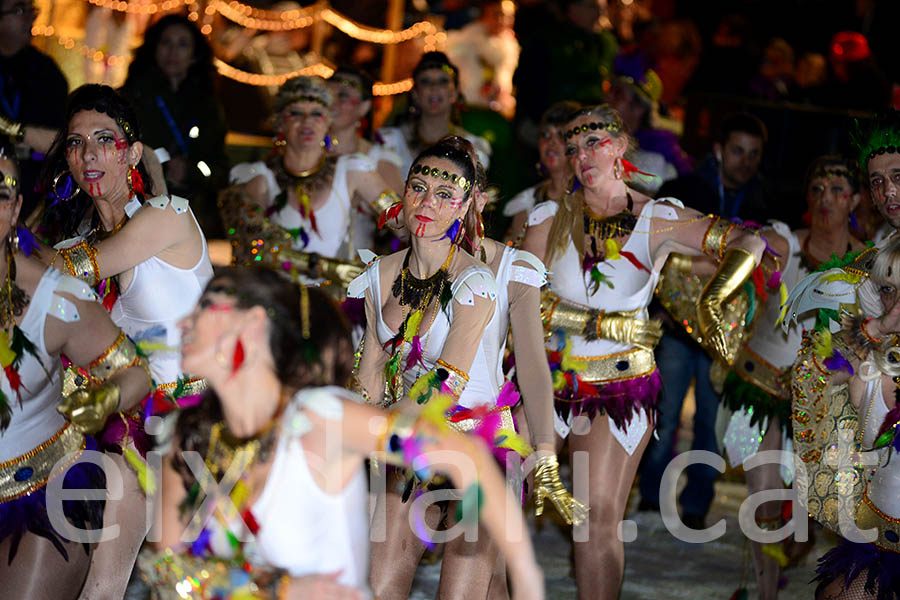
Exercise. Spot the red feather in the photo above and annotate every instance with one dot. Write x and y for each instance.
(759, 282)
(389, 213)
(633, 260)
(15, 382)
(629, 170)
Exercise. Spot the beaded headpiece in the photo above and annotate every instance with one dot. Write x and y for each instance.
(459, 180)
(8, 180)
(303, 89)
(883, 137)
(612, 126)
(126, 127)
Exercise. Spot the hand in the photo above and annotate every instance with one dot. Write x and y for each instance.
(736, 267)
(340, 271)
(888, 323)
(88, 409)
(548, 485)
(319, 587)
(710, 320)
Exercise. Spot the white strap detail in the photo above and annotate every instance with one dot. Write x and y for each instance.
(814, 292)
(670, 200)
(528, 276)
(359, 162)
(76, 287)
(160, 202)
(542, 212)
(68, 243)
(132, 207)
(162, 155)
(366, 255)
(180, 205)
(524, 200)
(358, 287)
(322, 403)
(474, 281)
(62, 309)
(531, 259)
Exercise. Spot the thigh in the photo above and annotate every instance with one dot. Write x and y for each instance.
(40, 572)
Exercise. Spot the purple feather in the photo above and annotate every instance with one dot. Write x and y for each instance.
(890, 420)
(619, 400)
(854, 224)
(27, 243)
(452, 232)
(774, 280)
(836, 362)
(509, 395)
(198, 548)
(879, 569)
(415, 354)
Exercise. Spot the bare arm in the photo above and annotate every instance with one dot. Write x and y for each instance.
(373, 359)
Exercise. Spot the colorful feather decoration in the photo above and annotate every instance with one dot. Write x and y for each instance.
(634, 260)
(468, 509)
(837, 362)
(612, 249)
(822, 346)
(597, 278)
(145, 476)
(751, 302)
(27, 242)
(452, 232)
(509, 395)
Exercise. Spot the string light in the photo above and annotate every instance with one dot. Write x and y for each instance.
(246, 16)
(373, 35)
(391, 89)
(68, 43)
(147, 8)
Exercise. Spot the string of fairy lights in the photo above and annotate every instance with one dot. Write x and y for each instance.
(260, 19)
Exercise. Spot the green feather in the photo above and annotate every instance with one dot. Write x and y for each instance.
(5, 412)
(467, 511)
(446, 296)
(884, 439)
(393, 366)
(751, 302)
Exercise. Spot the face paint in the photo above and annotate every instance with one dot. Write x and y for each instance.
(420, 230)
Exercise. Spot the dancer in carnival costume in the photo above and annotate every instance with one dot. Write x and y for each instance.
(604, 245)
(351, 133)
(428, 316)
(146, 257)
(757, 388)
(290, 445)
(433, 113)
(846, 442)
(44, 314)
(296, 209)
(552, 167)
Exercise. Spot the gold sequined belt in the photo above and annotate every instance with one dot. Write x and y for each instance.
(189, 387)
(868, 516)
(467, 425)
(31, 471)
(755, 370)
(610, 368)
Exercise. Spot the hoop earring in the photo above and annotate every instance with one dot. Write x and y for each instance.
(12, 240)
(70, 186)
(617, 169)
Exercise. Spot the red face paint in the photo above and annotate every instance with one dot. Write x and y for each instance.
(121, 143)
(420, 230)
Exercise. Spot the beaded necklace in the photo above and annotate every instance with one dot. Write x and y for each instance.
(416, 297)
(602, 232)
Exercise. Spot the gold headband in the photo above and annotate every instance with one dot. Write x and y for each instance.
(126, 127)
(591, 127)
(459, 180)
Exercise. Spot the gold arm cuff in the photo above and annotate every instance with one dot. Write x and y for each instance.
(755, 370)
(716, 238)
(868, 516)
(467, 425)
(81, 262)
(385, 200)
(619, 366)
(559, 314)
(456, 378)
(65, 443)
(115, 359)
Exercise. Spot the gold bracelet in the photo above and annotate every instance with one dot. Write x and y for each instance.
(385, 200)
(865, 332)
(121, 355)
(716, 238)
(81, 262)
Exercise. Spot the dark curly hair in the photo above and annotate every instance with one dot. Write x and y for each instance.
(200, 73)
(62, 217)
(325, 358)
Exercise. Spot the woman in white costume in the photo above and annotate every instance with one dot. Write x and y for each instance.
(604, 245)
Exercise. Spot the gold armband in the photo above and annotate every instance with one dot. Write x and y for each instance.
(81, 262)
(716, 238)
(559, 314)
(385, 200)
(457, 379)
(121, 355)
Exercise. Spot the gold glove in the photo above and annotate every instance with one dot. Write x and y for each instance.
(735, 268)
(15, 131)
(557, 313)
(548, 485)
(624, 328)
(339, 271)
(88, 409)
(680, 262)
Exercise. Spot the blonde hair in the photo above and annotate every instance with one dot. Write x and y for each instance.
(886, 267)
(569, 220)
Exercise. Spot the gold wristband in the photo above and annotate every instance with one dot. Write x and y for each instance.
(121, 355)
(81, 262)
(716, 238)
(564, 315)
(457, 379)
(385, 200)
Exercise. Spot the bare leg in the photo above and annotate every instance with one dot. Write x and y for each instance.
(600, 561)
(472, 570)
(761, 478)
(39, 571)
(112, 561)
(394, 561)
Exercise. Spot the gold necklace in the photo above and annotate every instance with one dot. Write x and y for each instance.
(308, 172)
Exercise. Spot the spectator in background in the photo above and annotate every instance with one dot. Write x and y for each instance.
(810, 76)
(33, 91)
(776, 73)
(858, 81)
(634, 94)
(730, 61)
(170, 85)
(486, 52)
(726, 183)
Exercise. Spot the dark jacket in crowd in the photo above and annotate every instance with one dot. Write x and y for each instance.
(32, 91)
(167, 119)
